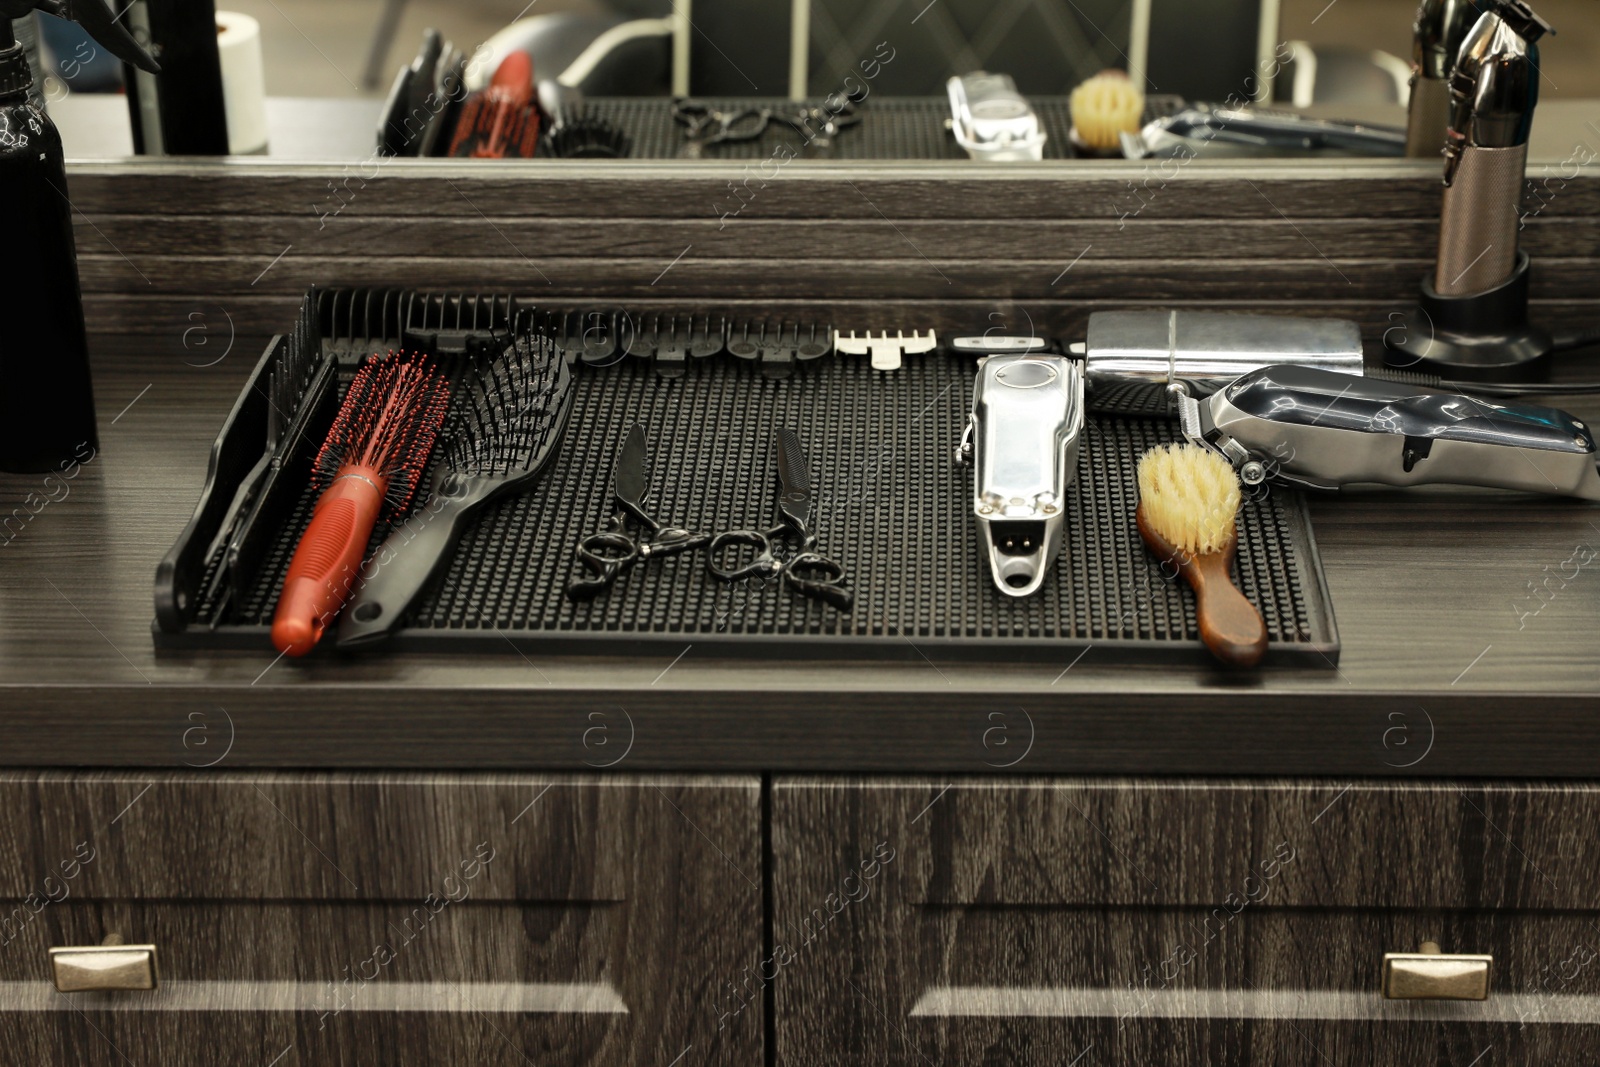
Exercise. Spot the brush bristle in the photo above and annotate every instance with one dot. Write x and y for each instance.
(1105, 107)
(1190, 496)
(511, 407)
(388, 421)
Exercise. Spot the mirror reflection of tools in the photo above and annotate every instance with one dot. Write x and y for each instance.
(706, 125)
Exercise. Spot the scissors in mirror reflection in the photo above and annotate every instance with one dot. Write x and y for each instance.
(705, 125)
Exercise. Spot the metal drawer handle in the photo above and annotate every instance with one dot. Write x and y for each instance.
(1428, 974)
(109, 966)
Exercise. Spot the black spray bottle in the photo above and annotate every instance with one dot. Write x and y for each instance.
(46, 403)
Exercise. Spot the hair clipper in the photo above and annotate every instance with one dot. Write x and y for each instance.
(1436, 38)
(1494, 87)
(1326, 430)
(1022, 441)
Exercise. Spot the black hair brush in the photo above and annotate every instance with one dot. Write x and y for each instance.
(587, 138)
(508, 419)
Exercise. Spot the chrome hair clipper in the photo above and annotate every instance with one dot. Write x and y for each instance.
(1134, 361)
(1493, 90)
(992, 121)
(1326, 430)
(1219, 130)
(1022, 441)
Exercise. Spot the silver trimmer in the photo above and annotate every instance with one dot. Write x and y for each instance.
(1493, 90)
(1327, 430)
(1022, 441)
(1471, 320)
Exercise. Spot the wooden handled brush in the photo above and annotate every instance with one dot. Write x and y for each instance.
(1188, 497)
(373, 457)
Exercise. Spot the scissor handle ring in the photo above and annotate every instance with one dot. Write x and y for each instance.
(820, 577)
(606, 551)
(764, 565)
(691, 113)
(604, 556)
(744, 124)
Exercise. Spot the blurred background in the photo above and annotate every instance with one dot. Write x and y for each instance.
(323, 75)
(317, 48)
(320, 48)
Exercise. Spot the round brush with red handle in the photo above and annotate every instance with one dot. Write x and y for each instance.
(373, 456)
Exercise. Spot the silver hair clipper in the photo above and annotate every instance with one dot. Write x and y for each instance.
(992, 121)
(1215, 130)
(1326, 430)
(1436, 38)
(1022, 441)
(1134, 361)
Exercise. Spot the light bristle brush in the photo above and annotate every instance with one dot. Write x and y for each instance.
(1103, 109)
(512, 408)
(373, 457)
(1188, 498)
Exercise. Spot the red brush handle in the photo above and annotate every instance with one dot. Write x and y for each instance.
(327, 559)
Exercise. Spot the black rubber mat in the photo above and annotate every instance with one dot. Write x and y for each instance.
(890, 128)
(893, 508)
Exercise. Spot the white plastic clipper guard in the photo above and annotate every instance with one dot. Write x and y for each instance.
(886, 351)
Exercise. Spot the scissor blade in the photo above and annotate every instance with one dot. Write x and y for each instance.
(628, 479)
(794, 477)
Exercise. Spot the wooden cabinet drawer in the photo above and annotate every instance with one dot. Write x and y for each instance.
(335, 919)
(1162, 922)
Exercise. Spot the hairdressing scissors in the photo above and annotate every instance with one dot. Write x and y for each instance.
(805, 571)
(606, 555)
(705, 124)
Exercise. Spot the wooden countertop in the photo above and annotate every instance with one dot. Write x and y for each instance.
(1447, 667)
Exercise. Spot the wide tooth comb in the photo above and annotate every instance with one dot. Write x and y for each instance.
(373, 456)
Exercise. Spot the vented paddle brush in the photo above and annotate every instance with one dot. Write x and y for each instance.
(512, 409)
(372, 458)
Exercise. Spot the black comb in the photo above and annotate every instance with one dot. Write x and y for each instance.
(507, 419)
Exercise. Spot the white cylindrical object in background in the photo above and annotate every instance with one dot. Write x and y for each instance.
(244, 82)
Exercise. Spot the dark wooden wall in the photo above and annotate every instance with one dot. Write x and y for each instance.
(898, 246)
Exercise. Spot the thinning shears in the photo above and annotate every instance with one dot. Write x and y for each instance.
(608, 554)
(805, 570)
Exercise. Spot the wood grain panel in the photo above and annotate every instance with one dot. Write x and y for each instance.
(897, 191)
(565, 888)
(645, 237)
(1035, 842)
(933, 278)
(997, 931)
(257, 837)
